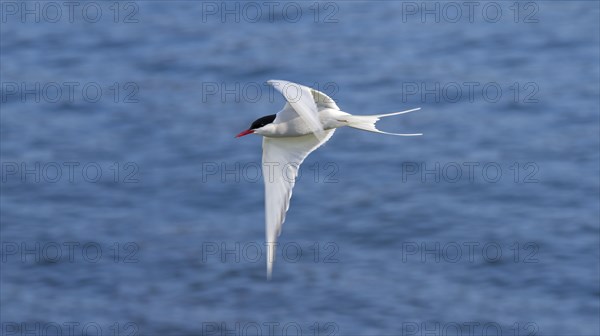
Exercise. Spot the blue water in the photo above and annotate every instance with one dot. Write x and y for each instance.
(383, 235)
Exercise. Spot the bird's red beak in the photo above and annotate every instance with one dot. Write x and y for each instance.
(246, 132)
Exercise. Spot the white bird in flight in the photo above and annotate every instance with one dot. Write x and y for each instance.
(307, 121)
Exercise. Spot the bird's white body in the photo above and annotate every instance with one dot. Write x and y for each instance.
(307, 121)
(288, 125)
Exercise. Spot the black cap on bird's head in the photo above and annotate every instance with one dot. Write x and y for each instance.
(258, 123)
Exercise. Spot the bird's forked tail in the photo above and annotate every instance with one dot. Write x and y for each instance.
(367, 122)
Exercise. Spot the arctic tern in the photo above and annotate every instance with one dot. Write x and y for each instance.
(308, 119)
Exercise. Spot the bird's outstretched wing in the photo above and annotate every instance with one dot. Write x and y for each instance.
(305, 102)
(280, 162)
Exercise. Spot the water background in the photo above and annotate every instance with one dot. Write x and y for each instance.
(383, 236)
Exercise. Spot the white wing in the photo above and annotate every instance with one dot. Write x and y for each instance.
(305, 102)
(280, 162)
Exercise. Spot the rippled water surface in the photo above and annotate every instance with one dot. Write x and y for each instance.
(131, 207)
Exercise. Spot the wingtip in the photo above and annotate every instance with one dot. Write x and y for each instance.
(403, 134)
(412, 110)
(270, 257)
(273, 82)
